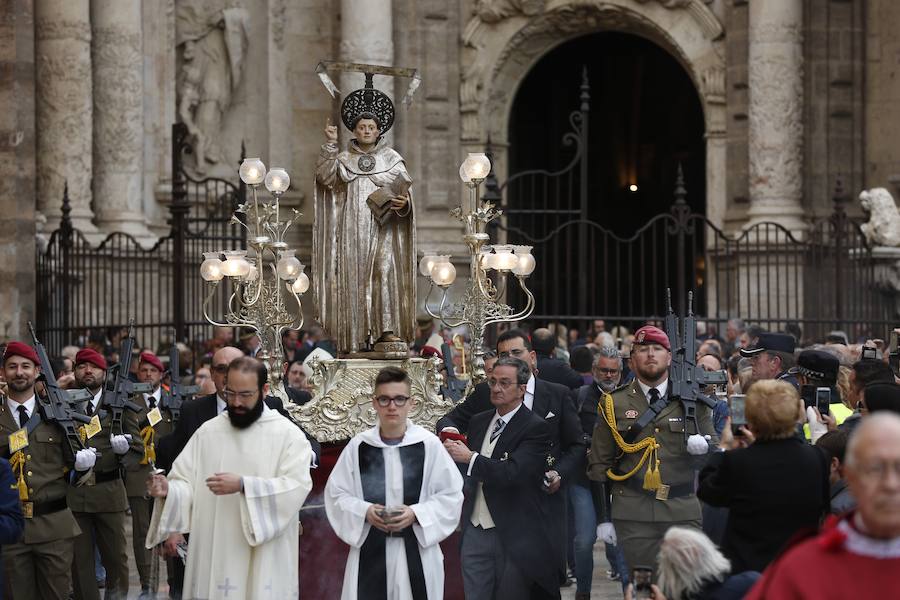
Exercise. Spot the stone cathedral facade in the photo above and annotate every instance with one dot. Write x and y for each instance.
(795, 93)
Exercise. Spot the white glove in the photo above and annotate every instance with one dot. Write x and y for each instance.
(697, 445)
(85, 459)
(816, 429)
(119, 444)
(607, 533)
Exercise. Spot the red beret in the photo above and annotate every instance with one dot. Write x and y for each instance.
(429, 351)
(648, 334)
(89, 355)
(20, 349)
(150, 358)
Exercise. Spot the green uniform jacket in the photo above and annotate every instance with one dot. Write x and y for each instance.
(108, 496)
(676, 465)
(48, 461)
(136, 475)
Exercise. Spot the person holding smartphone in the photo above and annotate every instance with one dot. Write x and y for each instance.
(817, 373)
(755, 482)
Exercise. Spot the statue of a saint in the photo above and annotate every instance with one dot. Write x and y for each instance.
(364, 246)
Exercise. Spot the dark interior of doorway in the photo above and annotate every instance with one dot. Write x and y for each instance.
(645, 120)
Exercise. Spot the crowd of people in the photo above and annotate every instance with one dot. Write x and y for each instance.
(779, 480)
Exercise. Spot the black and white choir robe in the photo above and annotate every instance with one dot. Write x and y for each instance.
(417, 472)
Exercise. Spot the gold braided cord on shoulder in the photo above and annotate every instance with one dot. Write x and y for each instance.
(652, 479)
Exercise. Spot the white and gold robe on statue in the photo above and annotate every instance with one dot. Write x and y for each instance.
(417, 472)
(243, 545)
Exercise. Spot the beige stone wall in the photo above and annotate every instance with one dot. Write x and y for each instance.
(17, 175)
(882, 92)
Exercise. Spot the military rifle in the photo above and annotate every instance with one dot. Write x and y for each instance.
(118, 389)
(178, 393)
(56, 405)
(685, 378)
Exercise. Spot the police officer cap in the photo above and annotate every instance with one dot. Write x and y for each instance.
(817, 364)
(772, 342)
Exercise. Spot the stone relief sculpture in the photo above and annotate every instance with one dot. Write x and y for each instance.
(211, 36)
(492, 11)
(883, 226)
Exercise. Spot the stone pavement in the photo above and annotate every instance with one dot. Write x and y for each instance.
(602, 588)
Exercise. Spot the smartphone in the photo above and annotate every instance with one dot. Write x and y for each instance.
(869, 353)
(736, 405)
(823, 400)
(642, 577)
(894, 354)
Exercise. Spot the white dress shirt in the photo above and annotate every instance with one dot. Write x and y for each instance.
(220, 405)
(14, 407)
(155, 395)
(662, 388)
(529, 394)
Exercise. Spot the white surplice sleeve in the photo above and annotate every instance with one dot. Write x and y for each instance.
(438, 514)
(270, 504)
(344, 504)
(172, 514)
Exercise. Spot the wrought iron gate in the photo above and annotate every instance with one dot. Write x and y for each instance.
(82, 288)
(827, 279)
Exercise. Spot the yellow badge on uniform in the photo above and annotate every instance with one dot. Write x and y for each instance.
(18, 440)
(154, 417)
(93, 428)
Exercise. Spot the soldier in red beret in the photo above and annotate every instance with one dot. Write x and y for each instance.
(40, 565)
(99, 506)
(642, 455)
(155, 422)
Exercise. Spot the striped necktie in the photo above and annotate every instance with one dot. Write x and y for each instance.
(497, 429)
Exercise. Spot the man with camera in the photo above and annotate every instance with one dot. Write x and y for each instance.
(817, 374)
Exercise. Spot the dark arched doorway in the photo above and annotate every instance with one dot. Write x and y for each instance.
(644, 120)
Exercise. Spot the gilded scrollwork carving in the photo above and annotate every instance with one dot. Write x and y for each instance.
(341, 405)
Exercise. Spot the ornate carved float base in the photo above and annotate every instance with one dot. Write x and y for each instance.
(342, 396)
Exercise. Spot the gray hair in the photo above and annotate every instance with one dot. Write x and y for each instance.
(877, 420)
(687, 561)
(738, 324)
(607, 352)
(523, 371)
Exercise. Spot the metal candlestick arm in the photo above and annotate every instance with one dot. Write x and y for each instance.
(262, 285)
(481, 305)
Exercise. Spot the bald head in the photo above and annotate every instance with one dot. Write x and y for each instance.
(220, 361)
(873, 473)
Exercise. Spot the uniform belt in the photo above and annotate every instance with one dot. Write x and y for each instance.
(36, 509)
(107, 476)
(679, 490)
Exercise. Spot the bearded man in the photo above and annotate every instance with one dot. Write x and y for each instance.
(644, 453)
(237, 487)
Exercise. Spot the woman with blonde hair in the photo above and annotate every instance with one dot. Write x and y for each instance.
(775, 487)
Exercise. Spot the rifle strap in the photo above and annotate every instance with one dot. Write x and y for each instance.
(650, 447)
(645, 419)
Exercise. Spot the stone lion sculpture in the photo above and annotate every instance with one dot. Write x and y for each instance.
(883, 226)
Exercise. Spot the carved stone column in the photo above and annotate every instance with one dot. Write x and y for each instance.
(367, 36)
(776, 112)
(63, 109)
(118, 116)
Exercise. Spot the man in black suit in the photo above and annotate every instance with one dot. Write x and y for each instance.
(505, 530)
(549, 368)
(556, 405)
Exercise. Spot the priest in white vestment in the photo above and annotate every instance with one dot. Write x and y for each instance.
(237, 488)
(393, 496)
